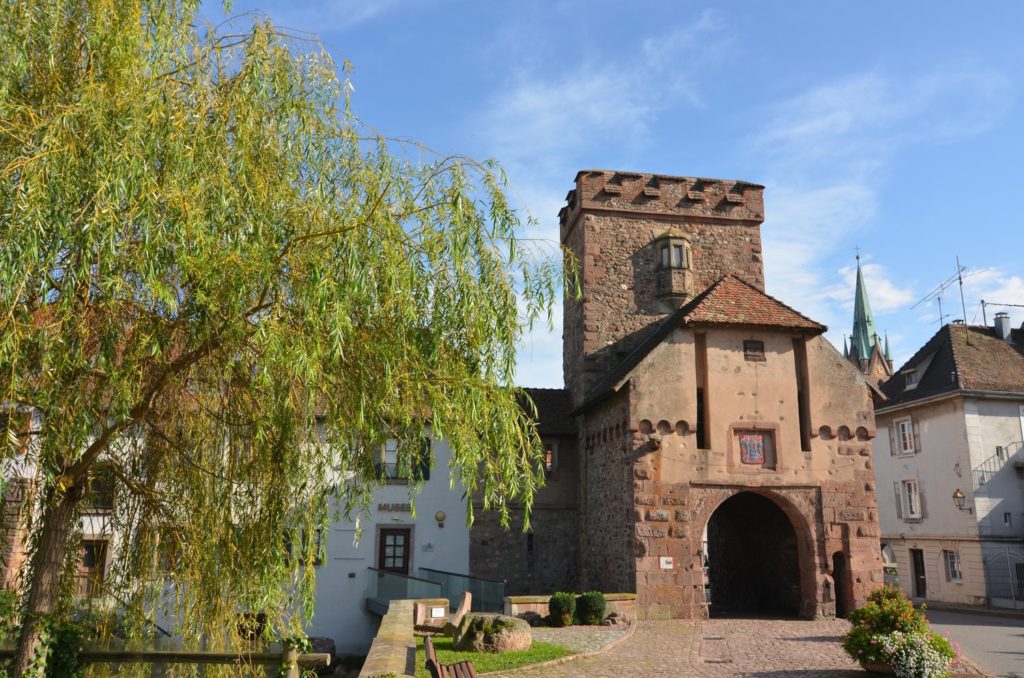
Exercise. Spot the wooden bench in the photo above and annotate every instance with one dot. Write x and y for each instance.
(438, 670)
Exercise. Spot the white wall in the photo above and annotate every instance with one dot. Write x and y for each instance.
(957, 436)
(343, 578)
(942, 466)
(999, 423)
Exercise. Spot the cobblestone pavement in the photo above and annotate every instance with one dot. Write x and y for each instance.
(579, 638)
(761, 648)
(773, 648)
(745, 647)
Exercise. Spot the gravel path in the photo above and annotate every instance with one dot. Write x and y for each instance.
(579, 638)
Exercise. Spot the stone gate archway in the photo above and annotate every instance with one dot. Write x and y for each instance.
(753, 557)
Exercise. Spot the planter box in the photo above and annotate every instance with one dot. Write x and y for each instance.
(879, 669)
(525, 606)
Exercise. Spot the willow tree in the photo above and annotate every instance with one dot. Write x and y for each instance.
(219, 286)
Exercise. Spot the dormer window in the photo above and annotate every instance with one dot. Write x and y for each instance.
(911, 378)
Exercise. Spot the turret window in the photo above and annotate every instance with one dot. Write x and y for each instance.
(674, 253)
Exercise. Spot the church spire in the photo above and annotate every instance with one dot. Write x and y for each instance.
(863, 339)
(888, 353)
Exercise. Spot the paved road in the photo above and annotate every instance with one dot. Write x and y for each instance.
(994, 642)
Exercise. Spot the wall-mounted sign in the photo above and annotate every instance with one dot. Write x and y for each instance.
(394, 508)
(428, 547)
(666, 562)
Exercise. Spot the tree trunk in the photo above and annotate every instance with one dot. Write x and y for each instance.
(47, 566)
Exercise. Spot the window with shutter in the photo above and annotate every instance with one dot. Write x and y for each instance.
(911, 499)
(904, 429)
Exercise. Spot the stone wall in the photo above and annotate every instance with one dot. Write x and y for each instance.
(607, 507)
(544, 559)
(505, 554)
(610, 224)
(526, 607)
(393, 652)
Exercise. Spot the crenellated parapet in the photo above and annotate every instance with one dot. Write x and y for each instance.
(705, 200)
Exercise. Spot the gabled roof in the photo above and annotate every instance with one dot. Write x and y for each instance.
(733, 301)
(730, 301)
(961, 357)
(554, 411)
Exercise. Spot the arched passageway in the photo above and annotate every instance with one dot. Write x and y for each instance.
(753, 560)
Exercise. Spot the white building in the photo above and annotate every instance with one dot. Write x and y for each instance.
(389, 557)
(950, 472)
(391, 552)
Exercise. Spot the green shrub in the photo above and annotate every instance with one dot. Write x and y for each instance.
(561, 608)
(590, 607)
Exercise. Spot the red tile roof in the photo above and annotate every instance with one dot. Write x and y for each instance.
(731, 301)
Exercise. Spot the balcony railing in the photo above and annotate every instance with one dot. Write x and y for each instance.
(488, 594)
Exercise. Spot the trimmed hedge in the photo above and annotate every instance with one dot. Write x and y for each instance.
(562, 608)
(590, 608)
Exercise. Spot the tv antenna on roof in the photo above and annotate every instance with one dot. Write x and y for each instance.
(936, 294)
(984, 304)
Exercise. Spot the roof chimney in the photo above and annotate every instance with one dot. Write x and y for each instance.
(1003, 326)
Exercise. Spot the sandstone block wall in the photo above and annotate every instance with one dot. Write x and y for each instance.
(827, 491)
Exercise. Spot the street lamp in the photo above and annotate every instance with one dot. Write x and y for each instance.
(958, 500)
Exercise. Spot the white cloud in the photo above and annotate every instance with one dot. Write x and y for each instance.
(543, 127)
(995, 287)
(545, 122)
(824, 153)
(885, 296)
(854, 124)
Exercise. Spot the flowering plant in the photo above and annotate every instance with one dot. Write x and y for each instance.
(888, 630)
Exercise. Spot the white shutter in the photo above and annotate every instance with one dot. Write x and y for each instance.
(897, 486)
(893, 441)
(917, 434)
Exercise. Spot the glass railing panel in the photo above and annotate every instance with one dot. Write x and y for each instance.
(488, 594)
(384, 585)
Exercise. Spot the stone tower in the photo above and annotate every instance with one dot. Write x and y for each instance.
(646, 243)
(718, 431)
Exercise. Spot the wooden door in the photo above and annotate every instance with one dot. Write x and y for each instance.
(917, 565)
(393, 555)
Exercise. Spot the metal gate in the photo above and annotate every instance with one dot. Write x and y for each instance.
(1004, 578)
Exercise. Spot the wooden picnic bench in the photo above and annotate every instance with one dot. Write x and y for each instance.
(438, 670)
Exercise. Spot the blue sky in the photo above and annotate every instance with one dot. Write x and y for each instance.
(895, 127)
